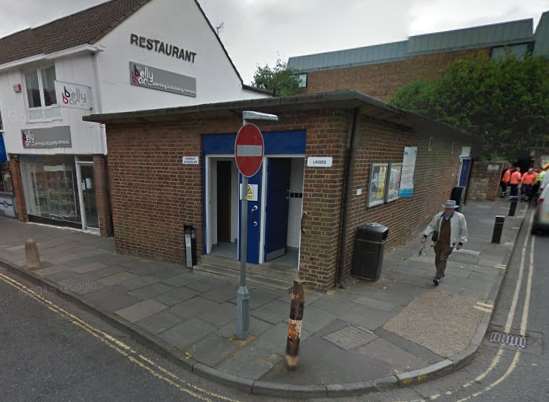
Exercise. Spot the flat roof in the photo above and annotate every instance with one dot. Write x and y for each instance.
(341, 100)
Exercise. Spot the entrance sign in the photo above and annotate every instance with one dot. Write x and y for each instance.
(320, 161)
(191, 160)
(248, 150)
(408, 172)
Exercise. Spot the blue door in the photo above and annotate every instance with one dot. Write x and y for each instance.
(254, 218)
(465, 172)
(278, 185)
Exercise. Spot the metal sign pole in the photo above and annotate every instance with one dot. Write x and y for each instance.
(242, 295)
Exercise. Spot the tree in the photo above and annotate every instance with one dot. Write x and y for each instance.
(505, 103)
(279, 79)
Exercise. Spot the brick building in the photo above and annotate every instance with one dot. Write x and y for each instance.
(333, 161)
(380, 70)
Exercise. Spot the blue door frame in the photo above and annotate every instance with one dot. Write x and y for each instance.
(276, 143)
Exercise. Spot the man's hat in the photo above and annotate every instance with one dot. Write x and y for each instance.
(450, 204)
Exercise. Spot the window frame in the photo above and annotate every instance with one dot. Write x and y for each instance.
(38, 71)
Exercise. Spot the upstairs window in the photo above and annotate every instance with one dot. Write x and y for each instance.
(519, 51)
(40, 84)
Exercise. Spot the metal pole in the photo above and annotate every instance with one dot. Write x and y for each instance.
(513, 206)
(242, 294)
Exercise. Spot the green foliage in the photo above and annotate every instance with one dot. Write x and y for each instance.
(505, 103)
(278, 79)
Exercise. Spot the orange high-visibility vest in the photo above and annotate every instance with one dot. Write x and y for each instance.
(506, 176)
(529, 178)
(516, 177)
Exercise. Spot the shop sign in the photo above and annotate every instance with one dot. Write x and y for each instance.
(320, 161)
(408, 172)
(191, 160)
(50, 137)
(161, 80)
(74, 95)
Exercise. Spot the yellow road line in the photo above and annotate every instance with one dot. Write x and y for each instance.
(120, 347)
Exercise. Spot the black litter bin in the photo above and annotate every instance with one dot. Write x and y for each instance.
(368, 252)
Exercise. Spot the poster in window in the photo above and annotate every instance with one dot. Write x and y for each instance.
(393, 182)
(378, 184)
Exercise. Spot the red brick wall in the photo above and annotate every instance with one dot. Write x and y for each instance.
(383, 80)
(102, 199)
(153, 195)
(17, 180)
(435, 176)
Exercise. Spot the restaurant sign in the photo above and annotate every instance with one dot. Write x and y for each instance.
(161, 80)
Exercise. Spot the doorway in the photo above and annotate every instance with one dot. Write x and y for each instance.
(86, 190)
(284, 209)
(222, 198)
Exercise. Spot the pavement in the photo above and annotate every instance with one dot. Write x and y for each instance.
(370, 336)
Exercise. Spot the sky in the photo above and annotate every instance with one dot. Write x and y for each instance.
(258, 32)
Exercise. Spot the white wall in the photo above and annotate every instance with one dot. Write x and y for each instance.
(296, 204)
(86, 138)
(177, 22)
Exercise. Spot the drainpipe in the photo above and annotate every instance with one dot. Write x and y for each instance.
(346, 195)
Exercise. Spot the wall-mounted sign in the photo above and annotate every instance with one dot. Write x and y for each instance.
(51, 137)
(161, 80)
(320, 161)
(191, 160)
(167, 49)
(252, 193)
(408, 172)
(393, 181)
(7, 206)
(74, 95)
(378, 184)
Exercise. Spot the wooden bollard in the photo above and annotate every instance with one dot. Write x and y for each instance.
(297, 298)
(32, 257)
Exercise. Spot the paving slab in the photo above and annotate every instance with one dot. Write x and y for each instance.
(213, 349)
(116, 278)
(177, 295)
(111, 298)
(188, 332)
(159, 322)
(140, 310)
(150, 291)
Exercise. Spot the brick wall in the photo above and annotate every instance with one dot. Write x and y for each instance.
(102, 198)
(435, 175)
(383, 80)
(17, 180)
(153, 195)
(485, 179)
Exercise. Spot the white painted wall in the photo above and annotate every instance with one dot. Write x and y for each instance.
(87, 138)
(178, 22)
(296, 204)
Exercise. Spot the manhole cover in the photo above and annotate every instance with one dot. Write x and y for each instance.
(350, 337)
(501, 338)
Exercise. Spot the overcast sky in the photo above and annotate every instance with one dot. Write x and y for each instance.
(261, 31)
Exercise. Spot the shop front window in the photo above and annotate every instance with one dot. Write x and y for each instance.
(50, 187)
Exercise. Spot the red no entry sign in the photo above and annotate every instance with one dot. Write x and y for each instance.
(248, 149)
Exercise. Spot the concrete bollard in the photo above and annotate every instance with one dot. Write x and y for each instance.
(498, 229)
(297, 298)
(32, 256)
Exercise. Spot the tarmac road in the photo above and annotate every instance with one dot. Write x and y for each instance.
(51, 350)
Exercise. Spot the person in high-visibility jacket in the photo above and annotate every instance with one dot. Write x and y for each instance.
(505, 181)
(528, 180)
(516, 179)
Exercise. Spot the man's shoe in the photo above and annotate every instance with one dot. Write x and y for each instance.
(436, 281)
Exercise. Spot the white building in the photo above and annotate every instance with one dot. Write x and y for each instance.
(119, 56)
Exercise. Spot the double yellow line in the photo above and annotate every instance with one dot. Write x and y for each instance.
(122, 348)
